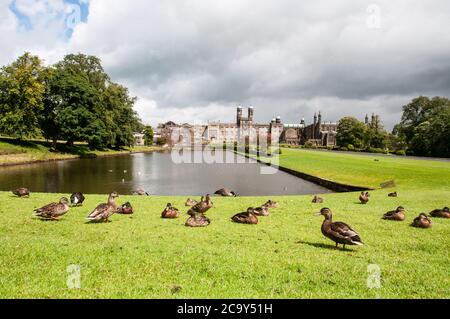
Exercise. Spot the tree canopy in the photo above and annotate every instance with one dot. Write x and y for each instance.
(425, 126)
(73, 100)
(22, 88)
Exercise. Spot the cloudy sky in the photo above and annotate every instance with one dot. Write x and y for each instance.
(196, 60)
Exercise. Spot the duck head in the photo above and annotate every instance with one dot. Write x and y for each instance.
(446, 210)
(250, 211)
(64, 201)
(234, 194)
(400, 209)
(169, 205)
(325, 212)
(113, 195)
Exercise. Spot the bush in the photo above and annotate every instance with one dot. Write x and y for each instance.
(344, 149)
(400, 153)
(376, 150)
(311, 145)
(350, 147)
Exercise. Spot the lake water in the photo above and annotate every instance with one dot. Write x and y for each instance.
(157, 173)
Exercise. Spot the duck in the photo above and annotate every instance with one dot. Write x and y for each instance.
(202, 207)
(53, 211)
(191, 202)
(77, 199)
(22, 192)
(140, 192)
(261, 211)
(248, 217)
(170, 212)
(339, 232)
(396, 215)
(271, 204)
(198, 220)
(225, 192)
(317, 200)
(364, 198)
(394, 194)
(103, 212)
(422, 221)
(125, 209)
(441, 213)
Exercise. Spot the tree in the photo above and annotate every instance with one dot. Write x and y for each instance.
(350, 131)
(119, 116)
(425, 126)
(21, 97)
(376, 136)
(72, 108)
(149, 135)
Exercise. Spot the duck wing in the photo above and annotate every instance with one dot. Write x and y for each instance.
(344, 231)
(99, 212)
(47, 210)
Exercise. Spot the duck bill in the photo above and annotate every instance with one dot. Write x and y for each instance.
(318, 214)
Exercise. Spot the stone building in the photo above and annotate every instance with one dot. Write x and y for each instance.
(246, 130)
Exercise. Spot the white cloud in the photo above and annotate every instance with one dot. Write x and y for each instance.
(196, 59)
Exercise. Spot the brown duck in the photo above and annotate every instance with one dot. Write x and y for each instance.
(248, 217)
(364, 198)
(394, 194)
(317, 200)
(53, 211)
(22, 192)
(170, 212)
(339, 232)
(202, 207)
(103, 212)
(225, 192)
(125, 209)
(396, 215)
(271, 204)
(198, 220)
(261, 211)
(441, 213)
(191, 202)
(422, 221)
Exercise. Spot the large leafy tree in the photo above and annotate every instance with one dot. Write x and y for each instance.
(72, 108)
(22, 89)
(425, 126)
(350, 131)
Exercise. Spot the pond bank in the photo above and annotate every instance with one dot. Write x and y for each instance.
(14, 153)
(328, 184)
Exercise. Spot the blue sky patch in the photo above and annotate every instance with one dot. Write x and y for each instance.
(78, 12)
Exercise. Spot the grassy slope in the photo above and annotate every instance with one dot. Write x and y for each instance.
(14, 152)
(285, 256)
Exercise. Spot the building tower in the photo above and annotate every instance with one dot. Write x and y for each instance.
(314, 127)
(251, 112)
(367, 119)
(239, 116)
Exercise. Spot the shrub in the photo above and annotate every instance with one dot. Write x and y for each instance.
(400, 153)
(310, 144)
(344, 149)
(350, 147)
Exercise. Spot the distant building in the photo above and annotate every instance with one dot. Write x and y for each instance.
(319, 133)
(139, 139)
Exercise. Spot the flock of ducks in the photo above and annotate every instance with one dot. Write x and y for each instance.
(339, 232)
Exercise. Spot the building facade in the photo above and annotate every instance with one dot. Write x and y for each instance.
(246, 130)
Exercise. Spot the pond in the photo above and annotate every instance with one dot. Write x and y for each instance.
(157, 173)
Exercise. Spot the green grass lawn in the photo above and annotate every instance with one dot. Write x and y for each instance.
(14, 152)
(285, 256)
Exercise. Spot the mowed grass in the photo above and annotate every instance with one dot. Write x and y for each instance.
(285, 256)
